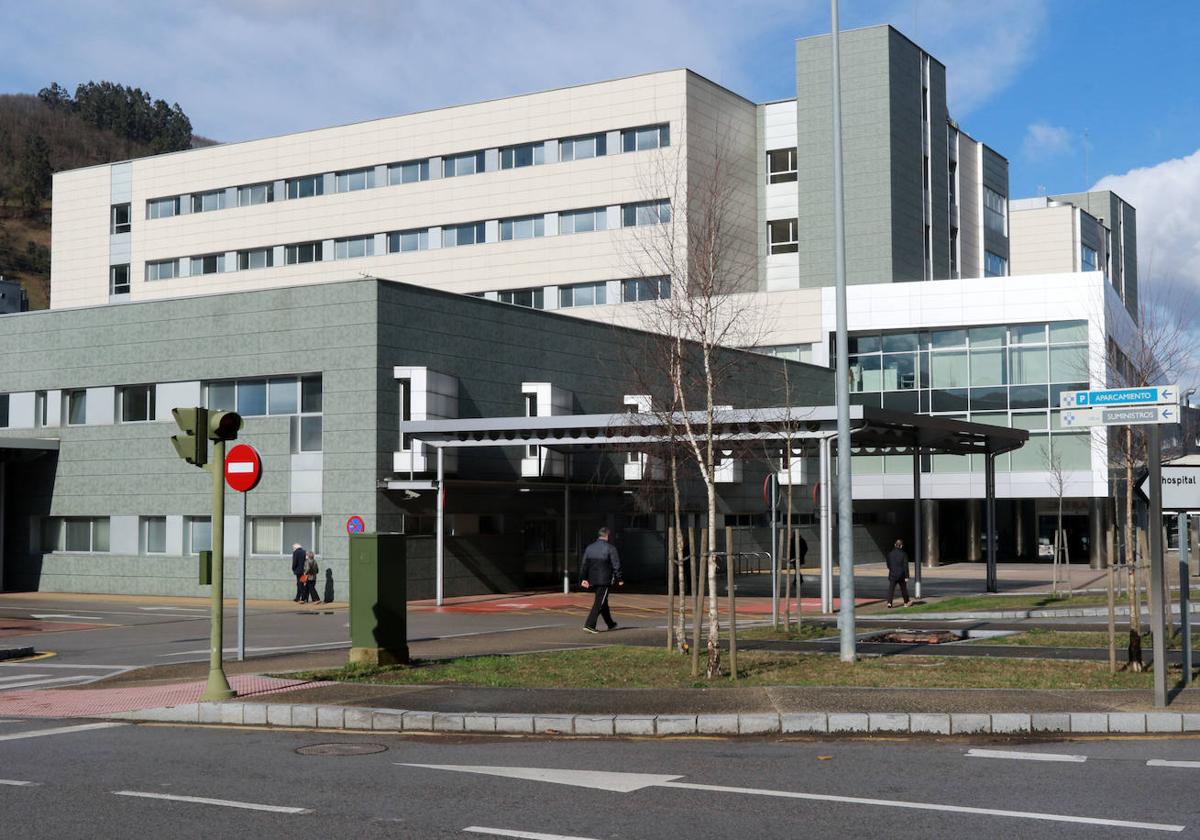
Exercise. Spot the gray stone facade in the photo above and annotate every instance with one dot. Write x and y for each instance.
(352, 334)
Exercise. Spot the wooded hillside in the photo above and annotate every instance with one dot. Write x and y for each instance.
(53, 131)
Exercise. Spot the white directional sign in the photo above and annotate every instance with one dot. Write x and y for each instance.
(1148, 395)
(1180, 488)
(1123, 416)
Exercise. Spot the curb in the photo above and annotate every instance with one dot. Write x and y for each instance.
(771, 723)
(992, 615)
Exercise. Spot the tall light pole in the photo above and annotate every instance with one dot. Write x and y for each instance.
(844, 502)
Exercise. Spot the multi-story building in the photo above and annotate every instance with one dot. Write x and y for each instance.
(544, 201)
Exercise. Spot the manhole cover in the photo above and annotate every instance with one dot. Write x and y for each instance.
(342, 749)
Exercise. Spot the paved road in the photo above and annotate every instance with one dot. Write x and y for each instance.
(117, 780)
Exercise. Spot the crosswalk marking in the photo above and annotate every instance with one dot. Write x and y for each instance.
(29, 682)
(59, 730)
(202, 800)
(1162, 762)
(1027, 756)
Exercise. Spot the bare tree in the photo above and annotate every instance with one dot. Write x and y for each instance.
(696, 236)
(1057, 478)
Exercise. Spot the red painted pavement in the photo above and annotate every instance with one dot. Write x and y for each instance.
(96, 702)
(583, 600)
(26, 626)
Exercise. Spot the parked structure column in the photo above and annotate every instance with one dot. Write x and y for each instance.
(1097, 558)
(930, 551)
(973, 554)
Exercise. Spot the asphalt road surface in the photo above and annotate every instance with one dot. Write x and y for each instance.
(64, 779)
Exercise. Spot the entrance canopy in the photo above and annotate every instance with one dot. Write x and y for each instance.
(874, 430)
(25, 449)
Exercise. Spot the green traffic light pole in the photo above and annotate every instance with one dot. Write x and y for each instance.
(218, 686)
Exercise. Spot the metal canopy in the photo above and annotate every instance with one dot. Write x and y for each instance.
(875, 430)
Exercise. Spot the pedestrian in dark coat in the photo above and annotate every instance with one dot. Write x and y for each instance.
(311, 570)
(298, 558)
(897, 566)
(599, 571)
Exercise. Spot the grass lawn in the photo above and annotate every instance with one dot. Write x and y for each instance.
(1033, 601)
(807, 630)
(635, 667)
(1040, 637)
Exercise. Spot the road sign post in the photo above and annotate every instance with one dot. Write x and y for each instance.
(1157, 606)
(243, 469)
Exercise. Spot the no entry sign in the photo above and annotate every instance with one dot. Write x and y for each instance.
(243, 468)
(356, 525)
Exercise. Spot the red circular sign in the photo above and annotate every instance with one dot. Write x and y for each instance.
(243, 468)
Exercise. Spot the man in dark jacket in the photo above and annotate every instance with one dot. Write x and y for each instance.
(599, 571)
(897, 565)
(298, 556)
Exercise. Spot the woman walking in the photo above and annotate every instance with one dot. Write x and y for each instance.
(311, 570)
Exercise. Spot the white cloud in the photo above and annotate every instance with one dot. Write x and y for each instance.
(1043, 141)
(1167, 199)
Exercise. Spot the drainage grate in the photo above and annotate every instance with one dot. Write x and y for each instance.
(342, 749)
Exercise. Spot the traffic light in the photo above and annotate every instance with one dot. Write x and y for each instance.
(224, 425)
(191, 444)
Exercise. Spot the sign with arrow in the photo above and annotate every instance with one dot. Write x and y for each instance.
(1180, 488)
(1123, 416)
(1148, 395)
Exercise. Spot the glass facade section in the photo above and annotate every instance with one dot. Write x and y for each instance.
(409, 172)
(1005, 375)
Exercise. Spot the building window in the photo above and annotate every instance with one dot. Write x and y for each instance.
(648, 137)
(464, 164)
(121, 219)
(154, 535)
(995, 211)
(781, 166)
(358, 246)
(41, 408)
(137, 403)
(405, 410)
(206, 202)
(582, 294)
(531, 298)
(197, 532)
(783, 236)
(408, 240)
(303, 252)
(793, 352)
(1089, 260)
(75, 533)
(531, 410)
(3, 411)
(274, 536)
(283, 395)
(353, 180)
(162, 208)
(583, 221)
(305, 187)
(299, 397)
(256, 258)
(645, 288)
(954, 252)
(526, 227)
(75, 404)
(994, 265)
(528, 154)
(468, 234)
(253, 194)
(953, 182)
(646, 213)
(208, 264)
(118, 279)
(162, 270)
(409, 172)
(581, 148)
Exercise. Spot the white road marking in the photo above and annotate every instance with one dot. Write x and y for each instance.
(316, 646)
(202, 800)
(1027, 756)
(525, 835)
(58, 615)
(629, 782)
(484, 632)
(175, 609)
(1162, 762)
(60, 730)
(931, 806)
(17, 783)
(67, 665)
(21, 677)
(30, 683)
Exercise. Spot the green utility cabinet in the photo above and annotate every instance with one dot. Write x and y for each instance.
(378, 599)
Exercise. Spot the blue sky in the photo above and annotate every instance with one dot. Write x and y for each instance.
(1032, 78)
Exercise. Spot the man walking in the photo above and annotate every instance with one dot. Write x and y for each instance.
(897, 566)
(298, 558)
(600, 570)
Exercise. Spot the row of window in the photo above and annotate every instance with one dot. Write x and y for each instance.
(270, 536)
(353, 247)
(633, 290)
(405, 172)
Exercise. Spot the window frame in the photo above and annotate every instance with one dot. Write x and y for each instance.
(452, 163)
(200, 199)
(662, 289)
(293, 252)
(116, 226)
(638, 213)
(787, 175)
(246, 194)
(523, 227)
(296, 186)
(510, 156)
(450, 234)
(347, 247)
(536, 297)
(144, 535)
(567, 146)
(567, 294)
(153, 276)
(218, 263)
(790, 245)
(354, 180)
(397, 238)
(117, 286)
(995, 211)
(598, 216)
(154, 207)
(122, 402)
(244, 259)
(397, 172)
